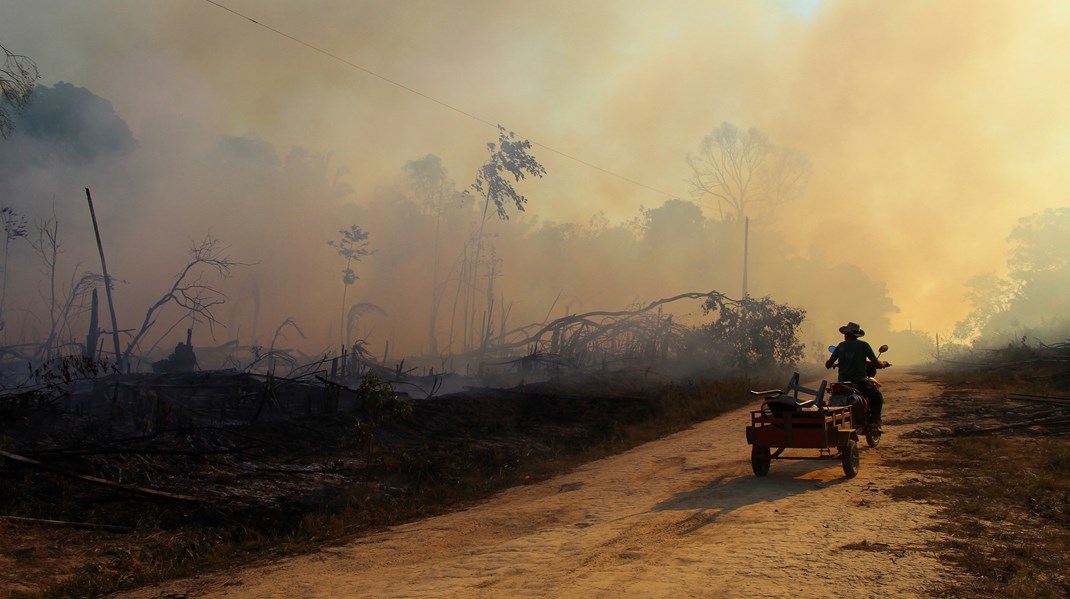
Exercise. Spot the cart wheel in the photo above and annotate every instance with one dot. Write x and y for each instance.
(849, 457)
(760, 460)
(873, 436)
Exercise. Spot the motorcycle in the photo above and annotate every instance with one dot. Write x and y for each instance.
(846, 393)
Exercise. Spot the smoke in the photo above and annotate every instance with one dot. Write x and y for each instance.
(931, 130)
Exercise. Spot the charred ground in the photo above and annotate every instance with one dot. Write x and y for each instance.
(239, 471)
(273, 467)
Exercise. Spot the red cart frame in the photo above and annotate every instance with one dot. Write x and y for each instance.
(810, 424)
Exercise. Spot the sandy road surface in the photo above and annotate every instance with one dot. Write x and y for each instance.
(680, 517)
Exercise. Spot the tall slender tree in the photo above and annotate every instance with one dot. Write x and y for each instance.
(353, 246)
(510, 157)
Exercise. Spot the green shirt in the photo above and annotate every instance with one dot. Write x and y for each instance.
(852, 354)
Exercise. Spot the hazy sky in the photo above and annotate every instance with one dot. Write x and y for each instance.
(932, 126)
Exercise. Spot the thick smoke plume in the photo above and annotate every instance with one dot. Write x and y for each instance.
(930, 132)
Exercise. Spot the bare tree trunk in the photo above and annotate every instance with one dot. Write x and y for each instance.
(466, 313)
(505, 318)
(342, 328)
(94, 330)
(436, 293)
(488, 325)
(474, 269)
(456, 299)
(46, 246)
(746, 248)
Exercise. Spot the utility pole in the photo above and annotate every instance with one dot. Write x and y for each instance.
(746, 244)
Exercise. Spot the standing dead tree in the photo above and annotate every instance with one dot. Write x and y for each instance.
(190, 290)
(63, 303)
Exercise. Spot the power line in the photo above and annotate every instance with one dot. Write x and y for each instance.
(411, 90)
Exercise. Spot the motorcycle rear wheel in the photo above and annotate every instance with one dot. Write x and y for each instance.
(850, 458)
(873, 436)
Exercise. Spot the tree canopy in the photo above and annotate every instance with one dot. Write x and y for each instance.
(756, 333)
(1034, 298)
(509, 157)
(68, 124)
(745, 172)
(18, 75)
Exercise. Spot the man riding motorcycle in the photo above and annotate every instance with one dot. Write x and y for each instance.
(852, 354)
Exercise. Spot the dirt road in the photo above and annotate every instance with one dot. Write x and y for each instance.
(680, 517)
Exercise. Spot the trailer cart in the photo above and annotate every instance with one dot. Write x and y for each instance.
(786, 421)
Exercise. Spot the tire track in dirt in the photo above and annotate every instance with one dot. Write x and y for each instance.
(680, 517)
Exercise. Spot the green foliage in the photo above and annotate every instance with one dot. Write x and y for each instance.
(509, 156)
(757, 333)
(353, 245)
(18, 75)
(378, 407)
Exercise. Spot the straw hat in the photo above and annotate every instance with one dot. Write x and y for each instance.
(852, 328)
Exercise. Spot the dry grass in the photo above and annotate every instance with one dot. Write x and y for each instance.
(1007, 497)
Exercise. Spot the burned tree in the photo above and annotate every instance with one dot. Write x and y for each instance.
(63, 302)
(190, 291)
(746, 334)
(601, 338)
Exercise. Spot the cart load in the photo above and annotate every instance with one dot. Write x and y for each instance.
(788, 421)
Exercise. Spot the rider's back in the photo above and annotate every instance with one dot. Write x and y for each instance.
(852, 354)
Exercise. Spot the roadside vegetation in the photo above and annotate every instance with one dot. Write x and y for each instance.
(1003, 455)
